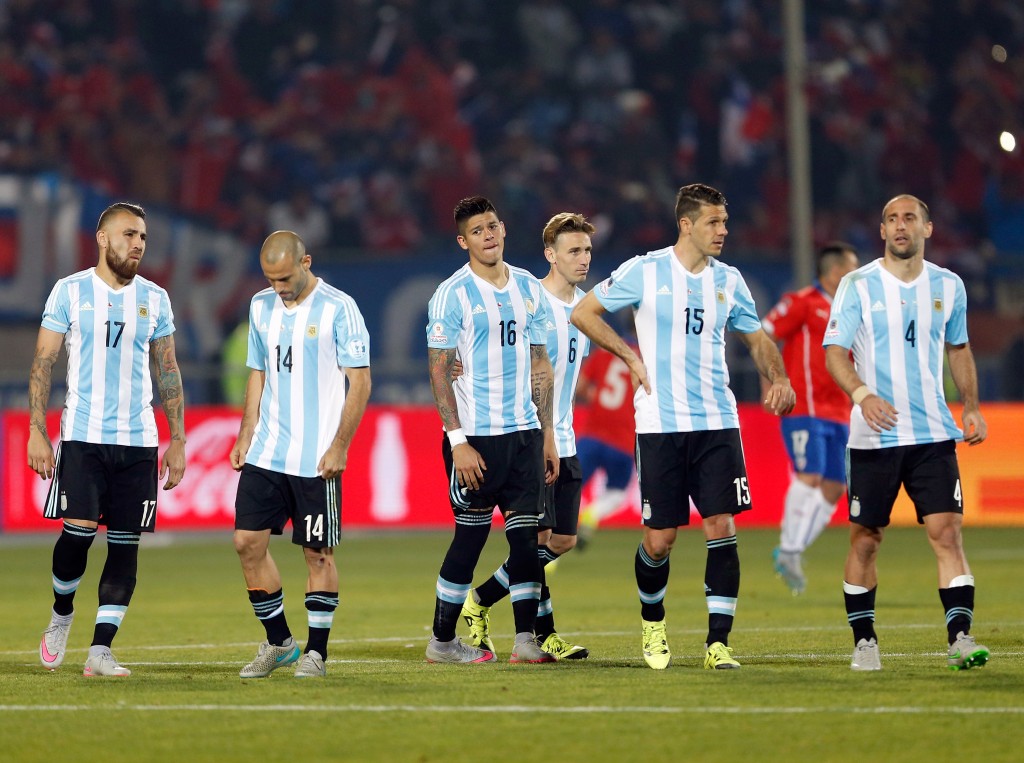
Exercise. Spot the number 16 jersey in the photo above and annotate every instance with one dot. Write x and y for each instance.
(492, 329)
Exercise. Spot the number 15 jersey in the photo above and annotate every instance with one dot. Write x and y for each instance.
(302, 350)
(492, 329)
(681, 321)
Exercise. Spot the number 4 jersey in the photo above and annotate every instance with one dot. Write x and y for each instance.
(107, 336)
(681, 321)
(302, 350)
(898, 332)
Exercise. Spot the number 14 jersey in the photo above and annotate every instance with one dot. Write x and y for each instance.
(302, 350)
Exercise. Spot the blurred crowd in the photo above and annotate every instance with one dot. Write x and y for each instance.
(358, 123)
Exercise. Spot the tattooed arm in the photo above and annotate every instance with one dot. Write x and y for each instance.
(469, 464)
(542, 386)
(40, 452)
(168, 384)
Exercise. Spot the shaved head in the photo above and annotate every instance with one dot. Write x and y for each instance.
(282, 246)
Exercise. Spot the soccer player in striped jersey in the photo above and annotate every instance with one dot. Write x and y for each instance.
(567, 248)
(499, 449)
(688, 439)
(305, 339)
(897, 314)
(815, 432)
(116, 325)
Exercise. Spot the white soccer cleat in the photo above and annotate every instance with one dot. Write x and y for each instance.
(866, 656)
(54, 642)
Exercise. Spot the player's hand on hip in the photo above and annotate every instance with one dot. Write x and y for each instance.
(469, 466)
(638, 375)
(173, 464)
(975, 428)
(879, 413)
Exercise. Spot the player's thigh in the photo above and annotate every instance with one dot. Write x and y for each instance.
(874, 477)
(496, 452)
(262, 501)
(931, 475)
(132, 503)
(562, 500)
(81, 482)
(520, 487)
(800, 438)
(663, 475)
(316, 511)
(718, 473)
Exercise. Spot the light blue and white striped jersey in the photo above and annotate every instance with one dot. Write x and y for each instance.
(898, 332)
(107, 336)
(681, 321)
(302, 350)
(492, 331)
(567, 347)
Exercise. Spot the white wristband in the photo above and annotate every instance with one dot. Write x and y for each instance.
(456, 437)
(860, 393)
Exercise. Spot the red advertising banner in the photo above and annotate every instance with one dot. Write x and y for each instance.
(395, 477)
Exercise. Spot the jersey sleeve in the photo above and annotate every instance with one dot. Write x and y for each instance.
(956, 326)
(165, 318)
(844, 320)
(624, 287)
(743, 313)
(256, 358)
(351, 339)
(444, 320)
(537, 328)
(57, 312)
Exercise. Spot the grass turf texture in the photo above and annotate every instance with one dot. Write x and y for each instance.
(190, 628)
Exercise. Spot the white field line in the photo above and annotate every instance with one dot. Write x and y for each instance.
(505, 709)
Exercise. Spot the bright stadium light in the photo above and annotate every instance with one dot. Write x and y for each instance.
(999, 54)
(1007, 142)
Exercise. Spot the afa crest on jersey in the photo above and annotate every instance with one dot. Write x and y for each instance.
(937, 305)
(143, 311)
(311, 331)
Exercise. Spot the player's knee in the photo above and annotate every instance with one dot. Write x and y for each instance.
(249, 545)
(561, 544)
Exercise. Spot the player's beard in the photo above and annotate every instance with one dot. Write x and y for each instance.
(125, 267)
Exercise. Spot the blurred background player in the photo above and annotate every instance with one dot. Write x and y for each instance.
(608, 433)
(816, 431)
(567, 247)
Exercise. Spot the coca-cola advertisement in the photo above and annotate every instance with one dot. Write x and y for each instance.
(394, 477)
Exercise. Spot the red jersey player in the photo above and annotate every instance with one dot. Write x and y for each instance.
(606, 440)
(816, 431)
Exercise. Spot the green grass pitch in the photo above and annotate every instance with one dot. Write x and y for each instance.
(190, 628)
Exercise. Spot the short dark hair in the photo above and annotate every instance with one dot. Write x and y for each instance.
(470, 207)
(566, 222)
(120, 206)
(691, 198)
(831, 252)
